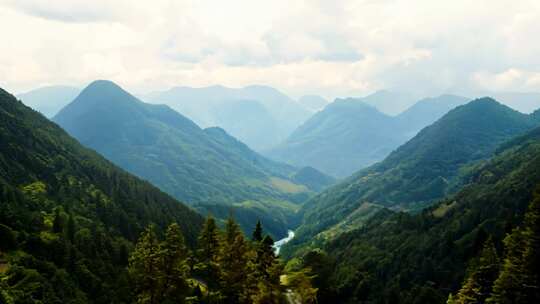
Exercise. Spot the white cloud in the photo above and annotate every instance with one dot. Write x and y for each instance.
(333, 48)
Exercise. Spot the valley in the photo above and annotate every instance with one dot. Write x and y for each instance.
(269, 152)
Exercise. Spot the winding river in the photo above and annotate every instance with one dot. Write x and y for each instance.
(283, 241)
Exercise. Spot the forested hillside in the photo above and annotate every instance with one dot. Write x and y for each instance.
(350, 134)
(68, 217)
(422, 258)
(205, 168)
(428, 167)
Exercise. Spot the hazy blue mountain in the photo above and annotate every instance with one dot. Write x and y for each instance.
(49, 100)
(425, 169)
(313, 103)
(249, 121)
(276, 119)
(390, 102)
(349, 134)
(200, 167)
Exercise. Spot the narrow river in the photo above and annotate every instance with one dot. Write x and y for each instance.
(283, 241)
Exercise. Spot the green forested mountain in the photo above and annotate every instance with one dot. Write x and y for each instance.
(206, 168)
(49, 100)
(425, 169)
(398, 257)
(68, 217)
(349, 134)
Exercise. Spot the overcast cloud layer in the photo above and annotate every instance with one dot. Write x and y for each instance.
(332, 48)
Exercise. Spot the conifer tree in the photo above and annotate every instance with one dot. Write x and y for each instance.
(234, 264)
(174, 270)
(144, 268)
(258, 232)
(207, 267)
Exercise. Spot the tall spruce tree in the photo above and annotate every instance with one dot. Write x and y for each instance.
(174, 269)
(233, 261)
(207, 268)
(144, 268)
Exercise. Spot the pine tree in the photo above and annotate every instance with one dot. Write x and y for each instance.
(234, 264)
(258, 232)
(174, 270)
(144, 268)
(207, 267)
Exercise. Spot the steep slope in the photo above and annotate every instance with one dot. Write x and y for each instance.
(49, 100)
(68, 217)
(205, 107)
(403, 258)
(349, 135)
(419, 172)
(200, 167)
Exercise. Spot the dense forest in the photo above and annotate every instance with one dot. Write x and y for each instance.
(68, 217)
(427, 168)
(399, 257)
(224, 268)
(77, 229)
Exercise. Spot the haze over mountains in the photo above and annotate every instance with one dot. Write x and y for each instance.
(269, 113)
(349, 134)
(204, 167)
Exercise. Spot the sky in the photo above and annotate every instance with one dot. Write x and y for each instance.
(331, 48)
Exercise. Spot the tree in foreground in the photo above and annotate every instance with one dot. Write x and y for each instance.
(227, 268)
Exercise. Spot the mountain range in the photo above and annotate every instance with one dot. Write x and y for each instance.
(206, 168)
(349, 134)
(259, 116)
(427, 168)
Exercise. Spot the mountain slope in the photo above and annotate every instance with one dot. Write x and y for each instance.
(71, 215)
(49, 100)
(349, 135)
(419, 172)
(276, 115)
(313, 103)
(403, 258)
(201, 167)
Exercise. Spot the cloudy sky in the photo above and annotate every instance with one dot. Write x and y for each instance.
(332, 48)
